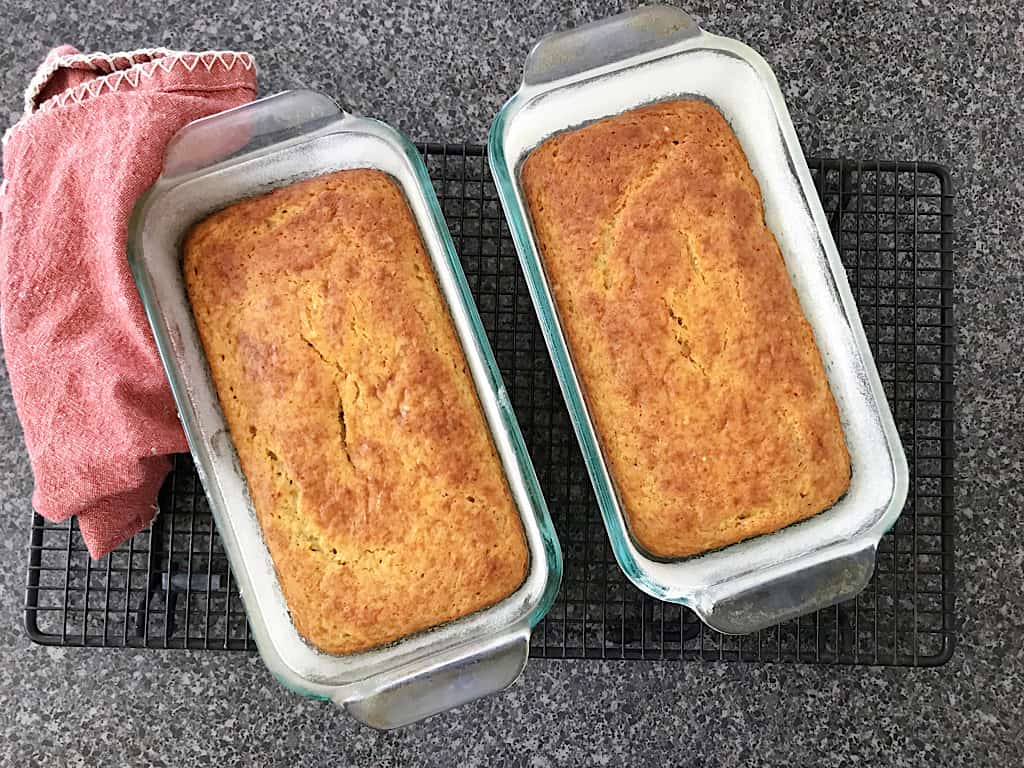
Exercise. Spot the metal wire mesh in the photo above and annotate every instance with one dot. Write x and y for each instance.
(171, 587)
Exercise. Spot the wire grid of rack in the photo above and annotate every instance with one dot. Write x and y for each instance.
(171, 586)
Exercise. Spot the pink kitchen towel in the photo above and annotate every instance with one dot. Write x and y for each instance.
(90, 390)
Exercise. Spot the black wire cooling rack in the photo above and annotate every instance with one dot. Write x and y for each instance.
(171, 587)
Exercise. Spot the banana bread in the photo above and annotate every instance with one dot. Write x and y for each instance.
(701, 372)
(380, 494)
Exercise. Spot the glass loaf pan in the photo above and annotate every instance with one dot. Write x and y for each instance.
(249, 150)
(655, 53)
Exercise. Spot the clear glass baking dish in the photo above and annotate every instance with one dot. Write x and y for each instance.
(655, 53)
(252, 149)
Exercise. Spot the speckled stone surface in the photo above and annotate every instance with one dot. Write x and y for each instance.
(931, 81)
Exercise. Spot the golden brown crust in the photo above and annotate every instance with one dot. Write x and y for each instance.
(700, 370)
(375, 481)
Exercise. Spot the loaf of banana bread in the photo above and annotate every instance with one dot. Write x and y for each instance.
(701, 373)
(374, 477)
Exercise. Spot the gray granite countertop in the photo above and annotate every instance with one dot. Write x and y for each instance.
(928, 82)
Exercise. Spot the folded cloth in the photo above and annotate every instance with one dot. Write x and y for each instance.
(90, 390)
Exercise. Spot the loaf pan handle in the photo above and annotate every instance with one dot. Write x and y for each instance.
(568, 53)
(735, 609)
(449, 684)
(242, 131)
